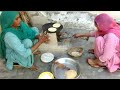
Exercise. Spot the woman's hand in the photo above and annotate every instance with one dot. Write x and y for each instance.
(37, 36)
(81, 35)
(77, 35)
(22, 12)
(24, 18)
(43, 38)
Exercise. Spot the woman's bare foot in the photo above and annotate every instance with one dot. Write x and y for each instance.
(37, 52)
(95, 63)
(91, 51)
(18, 66)
(92, 63)
(33, 68)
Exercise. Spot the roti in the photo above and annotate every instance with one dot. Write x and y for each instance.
(52, 29)
(70, 74)
(56, 25)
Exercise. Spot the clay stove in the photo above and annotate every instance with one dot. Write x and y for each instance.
(54, 37)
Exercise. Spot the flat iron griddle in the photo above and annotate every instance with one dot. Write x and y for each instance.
(48, 25)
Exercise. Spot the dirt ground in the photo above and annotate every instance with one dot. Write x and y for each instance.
(87, 72)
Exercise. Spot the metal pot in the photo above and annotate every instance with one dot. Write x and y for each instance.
(68, 62)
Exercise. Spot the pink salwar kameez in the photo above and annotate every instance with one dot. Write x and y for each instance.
(107, 42)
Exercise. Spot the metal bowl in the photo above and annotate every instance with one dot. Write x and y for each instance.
(47, 57)
(59, 73)
(79, 50)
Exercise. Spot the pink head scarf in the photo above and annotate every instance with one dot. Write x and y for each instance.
(106, 25)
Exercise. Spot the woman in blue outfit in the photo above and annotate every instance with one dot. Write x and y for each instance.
(16, 41)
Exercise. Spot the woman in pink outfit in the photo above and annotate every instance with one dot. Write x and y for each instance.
(107, 43)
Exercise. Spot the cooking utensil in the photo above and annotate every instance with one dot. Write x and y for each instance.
(60, 65)
(59, 73)
(75, 49)
(46, 75)
(85, 38)
(48, 25)
(47, 57)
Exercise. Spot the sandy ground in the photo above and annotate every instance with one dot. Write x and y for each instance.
(87, 72)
